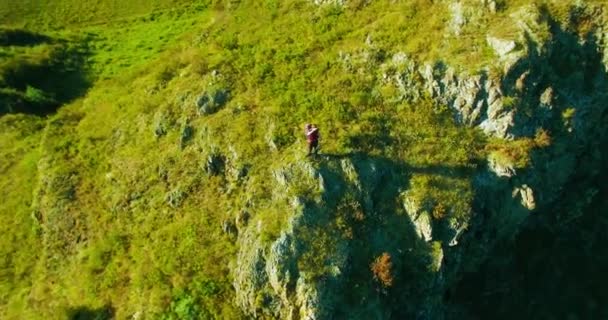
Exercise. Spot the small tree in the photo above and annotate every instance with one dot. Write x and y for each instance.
(382, 270)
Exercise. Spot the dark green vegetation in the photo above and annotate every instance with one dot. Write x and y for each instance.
(131, 133)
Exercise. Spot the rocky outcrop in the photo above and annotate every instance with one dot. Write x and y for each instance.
(335, 2)
(274, 277)
(420, 218)
(212, 101)
(465, 13)
(215, 164)
(186, 135)
(515, 101)
(501, 47)
(477, 100)
(334, 214)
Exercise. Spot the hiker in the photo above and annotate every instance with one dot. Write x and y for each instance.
(312, 137)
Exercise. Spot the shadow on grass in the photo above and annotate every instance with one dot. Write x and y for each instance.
(19, 37)
(442, 170)
(85, 313)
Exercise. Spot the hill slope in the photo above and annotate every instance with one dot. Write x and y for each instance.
(176, 186)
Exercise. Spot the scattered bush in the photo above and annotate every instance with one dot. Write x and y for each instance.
(542, 139)
(382, 268)
(39, 97)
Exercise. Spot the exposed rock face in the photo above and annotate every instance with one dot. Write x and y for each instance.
(527, 196)
(501, 169)
(420, 218)
(186, 135)
(501, 47)
(270, 277)
(210, 102)
(303, 271)
(495, 102)
(477, 100)
(464, 13)
(337, 2)
(215, 164)
(459, 17)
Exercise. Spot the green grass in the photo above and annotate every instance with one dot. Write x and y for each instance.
(130, 43)
(45, 15)
(18, 237)
(60, 65)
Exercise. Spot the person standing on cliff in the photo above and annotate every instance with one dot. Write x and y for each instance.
(312, 137)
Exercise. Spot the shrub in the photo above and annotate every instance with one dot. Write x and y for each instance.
(542, 138)
(38, 97)
(184, 307)
(515, 153)
(568, 116)
(510, 102)
(194, 302)
(382, 268)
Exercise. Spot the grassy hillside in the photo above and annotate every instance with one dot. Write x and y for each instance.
(118, 225)
(44, 15)
(42, 70)
(115, 198)
(114, 39)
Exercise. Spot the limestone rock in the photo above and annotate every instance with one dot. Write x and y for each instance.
(242, 219)
(475, 99)
(527, 196)
(186, 135)
(215, 164)
(324, 2)
(228, 227)
(459, 19)
(457, 228)
(500, 168)
(212, 101)
(547, 98)
(281, 267)
(299, 274)
(250, 275)
(424, 227)
(502, 47)
(288, 292)
(420, 218)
